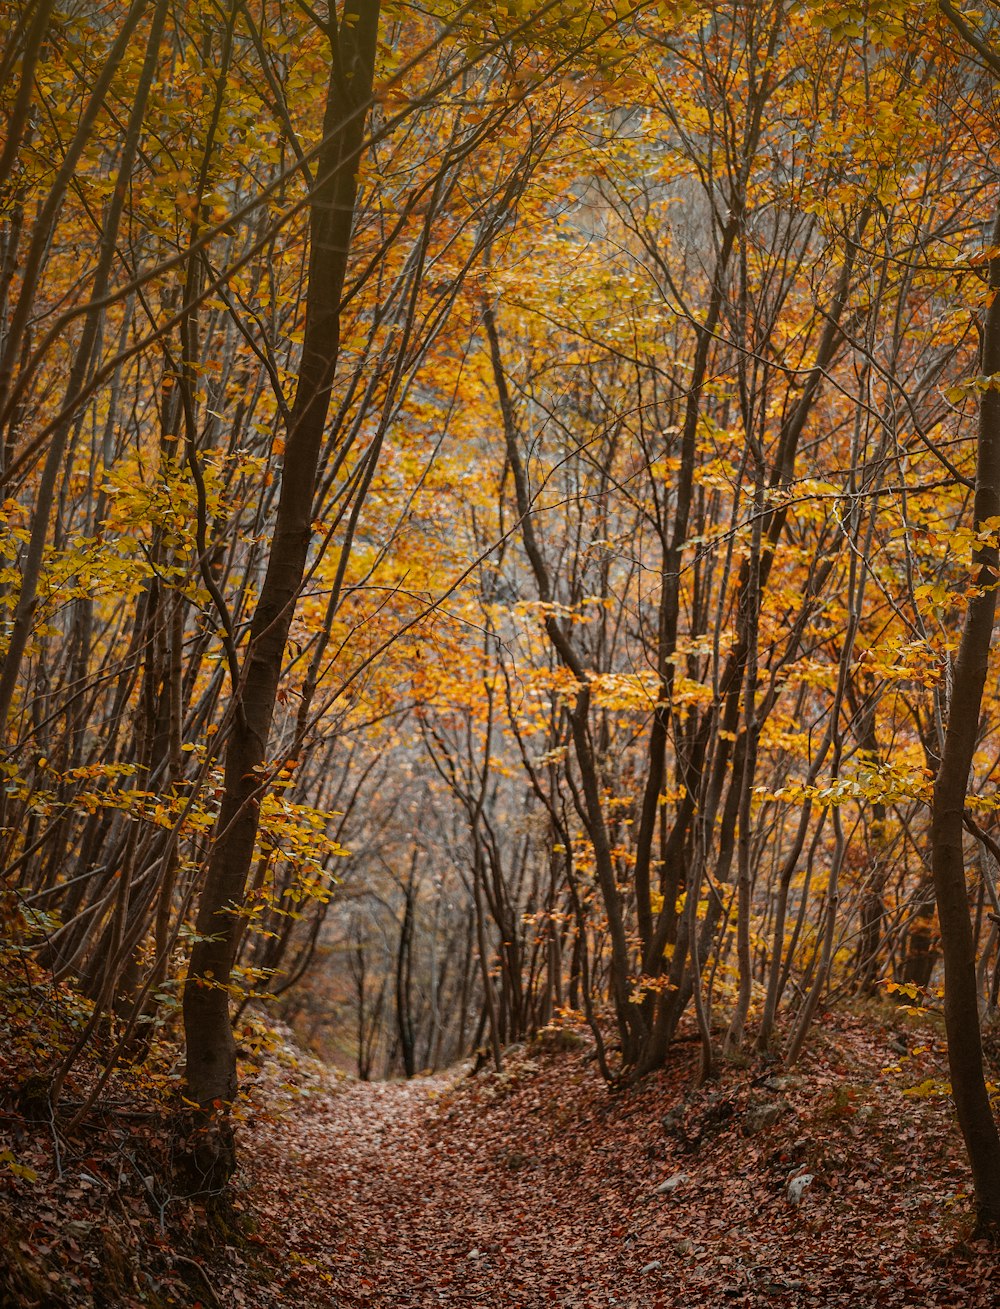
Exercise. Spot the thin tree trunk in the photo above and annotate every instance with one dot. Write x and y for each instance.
(958, 947)
(211, 1051)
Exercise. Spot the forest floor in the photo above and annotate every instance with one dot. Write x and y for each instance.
(536, 1187)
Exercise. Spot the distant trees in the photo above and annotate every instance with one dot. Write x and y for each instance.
(693, 460)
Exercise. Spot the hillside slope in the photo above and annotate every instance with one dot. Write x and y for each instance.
(529, 1188)
(537, 1187)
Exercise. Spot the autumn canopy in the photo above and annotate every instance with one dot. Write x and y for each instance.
(498, 537)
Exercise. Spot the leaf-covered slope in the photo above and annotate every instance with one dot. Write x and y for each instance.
(534, 1187)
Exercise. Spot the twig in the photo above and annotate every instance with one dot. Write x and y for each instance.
(193, 1263)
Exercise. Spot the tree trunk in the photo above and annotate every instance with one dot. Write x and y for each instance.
(404, 975)
(958, 947)
(211, 1051)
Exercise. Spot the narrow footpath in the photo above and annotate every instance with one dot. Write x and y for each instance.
(536, 1188)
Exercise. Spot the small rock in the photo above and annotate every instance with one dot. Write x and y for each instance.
(651, 1267)
(781, 1082)
(671, 1184)
(764, 1114)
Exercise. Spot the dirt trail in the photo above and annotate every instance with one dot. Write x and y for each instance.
(407, 1212)
(537, 1188)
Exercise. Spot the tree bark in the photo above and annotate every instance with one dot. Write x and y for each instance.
(211, 1051)
(958, 947)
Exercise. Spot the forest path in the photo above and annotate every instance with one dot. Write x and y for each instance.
(536, 1188)
(402, 1210)
(403, 1193)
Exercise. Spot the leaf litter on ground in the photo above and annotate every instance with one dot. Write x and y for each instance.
(537, 1186)
(533, 1187)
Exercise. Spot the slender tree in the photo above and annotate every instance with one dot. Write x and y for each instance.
(211, 1050)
